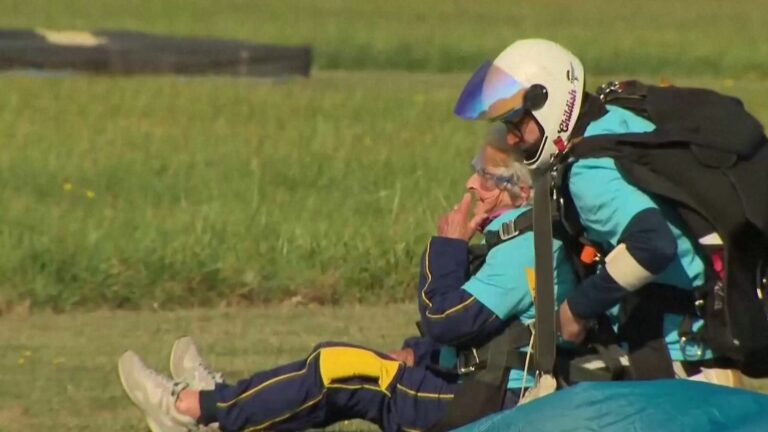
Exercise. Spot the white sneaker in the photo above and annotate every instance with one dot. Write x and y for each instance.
(154, 394)
(187, 365)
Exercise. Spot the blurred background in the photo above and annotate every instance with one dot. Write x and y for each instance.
(139, 207)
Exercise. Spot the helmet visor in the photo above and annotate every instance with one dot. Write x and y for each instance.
(490, 94)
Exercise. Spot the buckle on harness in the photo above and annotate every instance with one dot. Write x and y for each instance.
(606, 89)
(700, 307)
(691, 342)
(467, 361)
(508, 230)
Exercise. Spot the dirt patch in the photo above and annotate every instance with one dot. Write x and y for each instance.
(14, 418)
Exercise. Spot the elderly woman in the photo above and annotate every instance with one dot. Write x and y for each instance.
(408, 390)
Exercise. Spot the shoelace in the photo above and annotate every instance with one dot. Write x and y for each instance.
(217, 377)
(164, 379)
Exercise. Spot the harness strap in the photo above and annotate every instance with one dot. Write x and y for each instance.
(630, 95)
(510, 230)
(482, 392)
(545, 335)
(522, 224)
(500, 353)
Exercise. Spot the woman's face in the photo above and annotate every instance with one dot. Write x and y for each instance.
(490, 196)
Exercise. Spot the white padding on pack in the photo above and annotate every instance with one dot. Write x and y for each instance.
(711, 239)
(625, 270)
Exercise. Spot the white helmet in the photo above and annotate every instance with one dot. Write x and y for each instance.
(531, 75)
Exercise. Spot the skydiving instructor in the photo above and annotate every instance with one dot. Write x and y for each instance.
(651, 266)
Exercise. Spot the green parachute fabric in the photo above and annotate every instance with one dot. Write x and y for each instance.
(639, 406)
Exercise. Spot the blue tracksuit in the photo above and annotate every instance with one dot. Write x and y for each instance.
(613, 211)
(335, 382)
(339, 381)
(456, 311)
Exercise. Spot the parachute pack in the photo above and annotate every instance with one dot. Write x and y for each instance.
(707, 159)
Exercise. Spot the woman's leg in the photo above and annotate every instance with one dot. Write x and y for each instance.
(335, 382)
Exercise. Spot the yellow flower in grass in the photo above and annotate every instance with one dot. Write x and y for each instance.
(67, 186)
(90, 194)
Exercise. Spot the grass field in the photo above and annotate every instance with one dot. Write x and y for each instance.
(162, 192)
(687, 37)
(59, 371)
(181, 191)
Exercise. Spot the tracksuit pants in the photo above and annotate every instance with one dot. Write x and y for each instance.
(335, 382)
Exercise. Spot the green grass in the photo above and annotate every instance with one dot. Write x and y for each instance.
(161, 192)
(141, 191)
(164, 192)
(59, 371)
(690, 37)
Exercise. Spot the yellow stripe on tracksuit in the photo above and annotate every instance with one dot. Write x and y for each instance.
(266, 384)
(429, 275)
(285, 416)
(338, 364)
(358, 387)
(424, 291)
(424, 395)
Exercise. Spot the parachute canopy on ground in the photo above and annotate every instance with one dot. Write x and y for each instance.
(128, 52)
(639, 406)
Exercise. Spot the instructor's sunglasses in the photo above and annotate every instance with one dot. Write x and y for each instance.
(514, 122)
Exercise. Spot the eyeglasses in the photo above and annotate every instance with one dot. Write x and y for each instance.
(514, 122)
(489, 180)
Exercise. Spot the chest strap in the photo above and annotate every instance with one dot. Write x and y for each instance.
(502, 352)
(520, 225)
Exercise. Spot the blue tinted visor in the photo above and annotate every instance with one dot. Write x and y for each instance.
(490, 94)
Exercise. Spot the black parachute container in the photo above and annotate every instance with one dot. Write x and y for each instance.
(128, 52)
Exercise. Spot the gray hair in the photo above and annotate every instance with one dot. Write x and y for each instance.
(516, 169)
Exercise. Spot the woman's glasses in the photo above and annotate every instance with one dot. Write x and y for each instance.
(488, 179)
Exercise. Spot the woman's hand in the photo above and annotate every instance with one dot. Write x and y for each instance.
(405, 356)
(455, 224)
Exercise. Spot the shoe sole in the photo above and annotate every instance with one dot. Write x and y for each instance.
(150, 422)
(177, 344)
